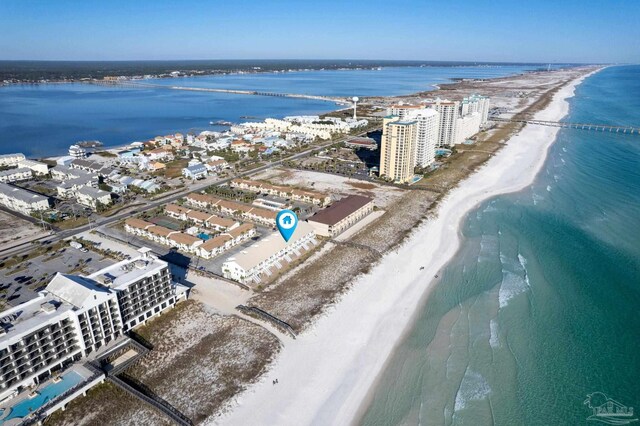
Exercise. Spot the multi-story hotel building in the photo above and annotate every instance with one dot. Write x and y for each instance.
(402, 110)
(398, 152)
(465, 127)
(448, 112)
(476, 103)
(428, 121)
(76, 315)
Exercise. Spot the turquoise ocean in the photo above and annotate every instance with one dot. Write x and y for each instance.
(541, 305)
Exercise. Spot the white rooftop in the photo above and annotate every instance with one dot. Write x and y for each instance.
(30, 315)
(125, 272)
(268, 246)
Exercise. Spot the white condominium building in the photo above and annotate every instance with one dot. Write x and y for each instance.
(11, 159)
(449, 111)
(75, 316)
(428, 121)
(402, 110)
(476, 104)
(465, 127)
(15, 175)
(36, 167)
(21, 200)
(398, 151)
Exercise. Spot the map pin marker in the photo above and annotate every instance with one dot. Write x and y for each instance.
(286, 221)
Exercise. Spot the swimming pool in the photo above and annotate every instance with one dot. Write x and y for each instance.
(46, 394)
(203, 236)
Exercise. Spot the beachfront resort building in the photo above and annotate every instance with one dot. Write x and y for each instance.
(21, 200)
(341, 215)
(465, 127)
(448, 113)
(428, 121)
(476, 104)
(401, 110)
(75, 316)
(398, 152)
(269, 255)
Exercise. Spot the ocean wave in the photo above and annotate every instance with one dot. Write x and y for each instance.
(523, 262)
(494, 339)
(490, 207)
(512, 285)
(489, 247)
(474, 387)
(549, 188)
(535, 197)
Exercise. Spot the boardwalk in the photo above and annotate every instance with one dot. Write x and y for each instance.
(142, 85)
(580, 126)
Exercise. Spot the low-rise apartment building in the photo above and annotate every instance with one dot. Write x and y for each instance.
(233, 208)
(11, 159)
(270, 254)
(188, 243)
(92, 197)
(314, 197)
(196, 171)
(21, 200)
(341, 215)
(36, 167)
(15, 175)
(199, 218)
(223, 242)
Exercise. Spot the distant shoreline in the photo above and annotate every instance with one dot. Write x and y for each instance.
(42, 72)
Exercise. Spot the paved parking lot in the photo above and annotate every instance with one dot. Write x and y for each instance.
(21, 283)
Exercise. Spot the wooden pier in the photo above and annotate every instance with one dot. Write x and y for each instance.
(580, 126)
(134, 84)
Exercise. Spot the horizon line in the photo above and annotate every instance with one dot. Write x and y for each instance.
(324, 60)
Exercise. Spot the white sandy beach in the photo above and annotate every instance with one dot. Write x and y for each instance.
(326, 374)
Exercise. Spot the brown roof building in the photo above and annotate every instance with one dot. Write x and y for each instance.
(341, 215)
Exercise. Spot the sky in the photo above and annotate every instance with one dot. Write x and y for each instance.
(589, 31)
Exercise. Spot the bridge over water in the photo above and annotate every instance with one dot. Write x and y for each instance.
(139, 85)
(580, 126)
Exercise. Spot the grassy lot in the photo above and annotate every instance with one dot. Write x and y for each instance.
(72, 223)
(174, 168)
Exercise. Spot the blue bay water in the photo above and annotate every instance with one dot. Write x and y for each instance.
(386, 81)
(540, 306)
(42, 120)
